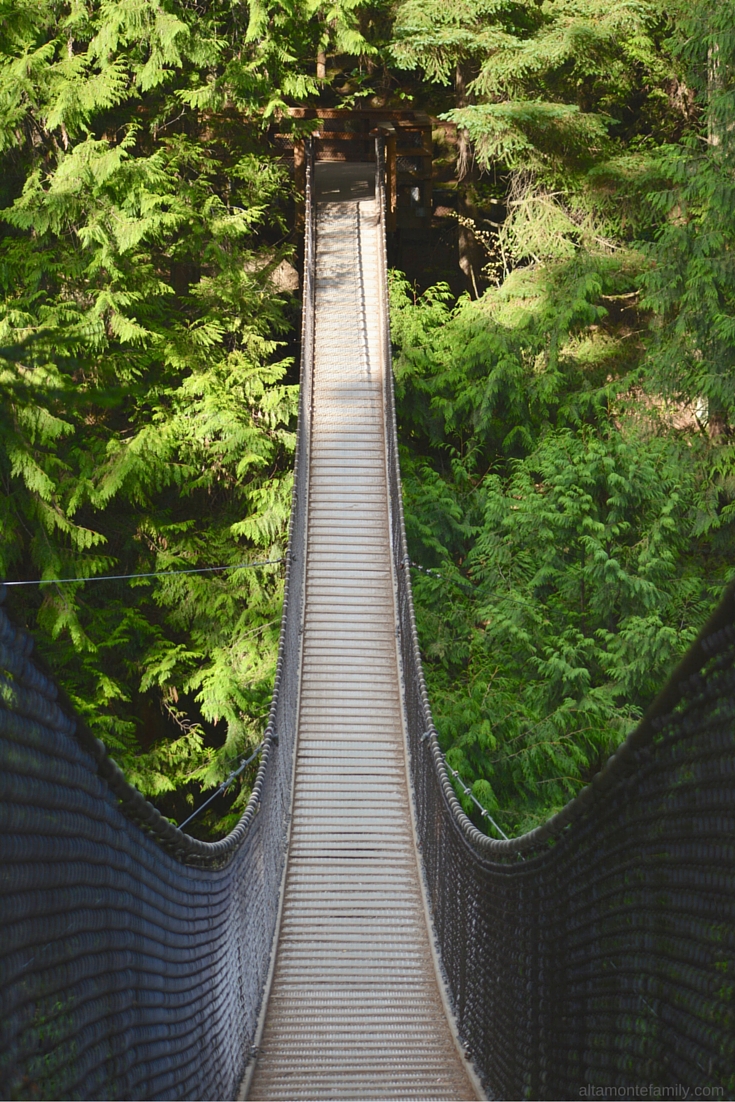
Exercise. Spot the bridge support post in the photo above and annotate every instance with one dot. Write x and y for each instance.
(299, 166)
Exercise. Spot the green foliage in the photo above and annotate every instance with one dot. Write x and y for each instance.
(145, 419)
(690, 279)
(564, 510)
(436, 37)
(533, 135)
(567, 442)
(548, 81)
(579, 48)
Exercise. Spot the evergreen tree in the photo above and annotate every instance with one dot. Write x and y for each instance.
(146, 417)
(447, 44)
(560, 505)
(690, 278)
(558, 475)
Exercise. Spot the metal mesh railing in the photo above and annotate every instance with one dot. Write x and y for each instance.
(133, 957)
(595, 954)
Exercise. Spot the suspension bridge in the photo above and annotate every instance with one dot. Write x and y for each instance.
(356, 936)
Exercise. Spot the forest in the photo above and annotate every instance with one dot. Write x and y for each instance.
(565, 385)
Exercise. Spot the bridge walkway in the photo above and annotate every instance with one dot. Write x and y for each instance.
(355, 1009)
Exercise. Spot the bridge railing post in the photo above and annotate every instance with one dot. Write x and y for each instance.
(385, 145)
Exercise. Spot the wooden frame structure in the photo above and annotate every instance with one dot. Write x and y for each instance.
(342, 135)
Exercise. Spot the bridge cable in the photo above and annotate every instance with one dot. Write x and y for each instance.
(362, 334)
(149, 574)
(463, 585)
(224, 786)
(468, 791)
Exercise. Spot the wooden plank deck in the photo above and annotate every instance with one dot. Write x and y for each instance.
(355, 1009)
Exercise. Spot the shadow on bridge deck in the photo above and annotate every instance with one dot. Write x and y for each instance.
(344, 182)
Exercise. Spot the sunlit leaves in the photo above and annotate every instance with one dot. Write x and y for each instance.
(579, 535)
(145, 422)
(531, 135)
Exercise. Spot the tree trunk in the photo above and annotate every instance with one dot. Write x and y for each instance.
(465, 160)
(714, 85)
(471, 254)
(718, 425)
